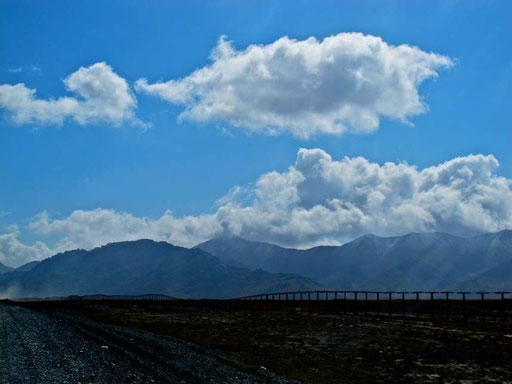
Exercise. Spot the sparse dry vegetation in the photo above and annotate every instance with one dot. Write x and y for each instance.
(329, 347)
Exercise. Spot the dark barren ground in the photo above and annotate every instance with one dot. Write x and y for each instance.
(319, 346)
(52, 347)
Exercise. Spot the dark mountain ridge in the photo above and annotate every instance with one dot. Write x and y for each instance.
(144, 266)
(231, 267)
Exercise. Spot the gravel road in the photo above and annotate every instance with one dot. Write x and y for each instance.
(45, 348)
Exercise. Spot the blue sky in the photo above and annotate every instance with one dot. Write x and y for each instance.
(185, 166)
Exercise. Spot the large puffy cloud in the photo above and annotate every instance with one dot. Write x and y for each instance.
(344, 82)
(319, 200)
(101, 96)
(14, 253)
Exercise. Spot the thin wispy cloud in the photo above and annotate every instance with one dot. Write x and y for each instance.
(35, 69)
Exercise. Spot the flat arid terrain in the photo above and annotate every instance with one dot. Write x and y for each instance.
(54, 347)
(309, 346)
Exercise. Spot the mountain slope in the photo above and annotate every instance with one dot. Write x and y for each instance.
(499, 278)
(27, 266)
(144, 266)
(414, 261)
(5, 269)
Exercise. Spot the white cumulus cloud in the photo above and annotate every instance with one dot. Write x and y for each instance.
(100, 96)
(318, 200)
(89, 229)
(14, 253)
(346, 82)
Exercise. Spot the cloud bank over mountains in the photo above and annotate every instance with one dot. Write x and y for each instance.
(102, 96)
(346, 82)
(343, 83)
(317, 200)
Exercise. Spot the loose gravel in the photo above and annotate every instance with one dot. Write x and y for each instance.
(56, 348)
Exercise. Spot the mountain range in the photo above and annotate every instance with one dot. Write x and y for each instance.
(232, 267)
(140, 267)
(430, 261)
